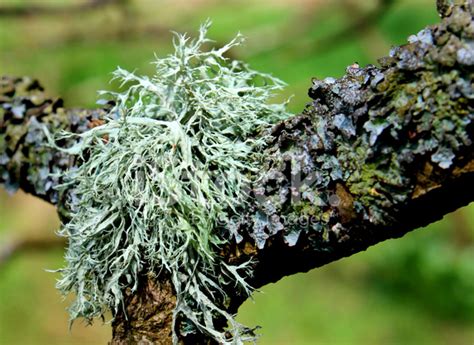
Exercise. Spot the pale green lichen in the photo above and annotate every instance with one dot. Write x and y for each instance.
(170, 161)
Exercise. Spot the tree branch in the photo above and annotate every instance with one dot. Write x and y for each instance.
(376, 154)
(36, 10)
(16, 247)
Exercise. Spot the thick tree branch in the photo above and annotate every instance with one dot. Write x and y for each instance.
(376, 154)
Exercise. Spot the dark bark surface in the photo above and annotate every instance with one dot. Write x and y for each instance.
(149, 315)
(376, 154)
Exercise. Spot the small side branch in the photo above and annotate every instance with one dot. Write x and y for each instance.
(38, 10)
(25, 245)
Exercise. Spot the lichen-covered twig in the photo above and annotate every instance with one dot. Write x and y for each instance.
(377, 153)
(26, 159)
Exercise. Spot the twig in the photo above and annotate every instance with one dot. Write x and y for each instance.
(35, 10)
(333, 40)
(23, 245)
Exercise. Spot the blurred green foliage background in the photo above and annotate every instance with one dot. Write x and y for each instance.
(416, 290)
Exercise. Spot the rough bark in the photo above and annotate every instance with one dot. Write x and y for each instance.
(376, 154)
(149, 315)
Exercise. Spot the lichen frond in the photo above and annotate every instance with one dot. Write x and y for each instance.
(170, 161)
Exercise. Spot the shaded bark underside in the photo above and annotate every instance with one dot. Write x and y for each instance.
(376, 154)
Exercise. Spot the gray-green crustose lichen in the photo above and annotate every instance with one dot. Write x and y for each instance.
(170, 161)
(25, 161)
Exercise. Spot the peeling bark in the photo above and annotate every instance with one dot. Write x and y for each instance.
(376, 154)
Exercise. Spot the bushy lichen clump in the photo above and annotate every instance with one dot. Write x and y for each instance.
(168, 163)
